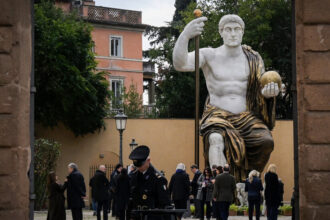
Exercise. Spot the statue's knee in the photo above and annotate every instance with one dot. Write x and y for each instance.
(215, 139)
(268, 143)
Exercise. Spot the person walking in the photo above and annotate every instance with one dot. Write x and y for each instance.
(215, 204)
(272, 192)
(254, 187)
(223, 192)
(205, 191)
(100, 190)
(76, 191)
(179, 187)
(113, 176)
(122, 193)
(56, 209)
(194, 189)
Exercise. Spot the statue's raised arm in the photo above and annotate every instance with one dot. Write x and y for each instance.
(182, 60)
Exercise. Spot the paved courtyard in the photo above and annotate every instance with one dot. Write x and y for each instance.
(89, 215)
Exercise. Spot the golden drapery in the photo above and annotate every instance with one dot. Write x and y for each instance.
(248, 141)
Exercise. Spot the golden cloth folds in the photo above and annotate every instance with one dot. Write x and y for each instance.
(248, 141)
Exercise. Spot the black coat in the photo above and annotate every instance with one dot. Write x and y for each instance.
(272, 189)
(224, 188)
(180, 186)
(100, 186)
(254, 189)
(56, 209)
(149, 190)
(76, 190)
(122, 191)
(194, 184)
(113, 181)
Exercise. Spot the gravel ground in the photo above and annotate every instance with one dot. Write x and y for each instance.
(89, 215)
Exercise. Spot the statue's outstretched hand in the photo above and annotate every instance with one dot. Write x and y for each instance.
(270, 90)
(195, 27)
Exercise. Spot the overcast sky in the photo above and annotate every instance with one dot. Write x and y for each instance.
(154, 12)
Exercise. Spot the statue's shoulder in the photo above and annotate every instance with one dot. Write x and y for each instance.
(207, 50)
(249, 49)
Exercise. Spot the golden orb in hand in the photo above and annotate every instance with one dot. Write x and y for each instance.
(271, 76)
(198, 13)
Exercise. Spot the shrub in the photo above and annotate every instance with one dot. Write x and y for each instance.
(46, 155)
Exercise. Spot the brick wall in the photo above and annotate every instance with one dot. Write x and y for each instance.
(15, 69)
(313, 99)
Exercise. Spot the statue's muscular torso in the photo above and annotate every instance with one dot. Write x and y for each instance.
(226, 79)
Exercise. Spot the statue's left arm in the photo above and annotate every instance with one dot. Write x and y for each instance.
(270, 90)
(269, 93)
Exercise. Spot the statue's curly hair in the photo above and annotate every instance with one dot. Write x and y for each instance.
(230, 18)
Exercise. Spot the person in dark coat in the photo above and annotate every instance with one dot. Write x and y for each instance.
(56, 209)
(215, 204)
(223, 191)
(100, 191)
(179, 188)
(122, 193)
(194, 189)
(76, 191)
(281, 190)
(113, 184)
(272, 192)
(254, 187)
(148, 185)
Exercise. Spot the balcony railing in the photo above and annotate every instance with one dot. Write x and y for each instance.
(97, 13)
(148, 111)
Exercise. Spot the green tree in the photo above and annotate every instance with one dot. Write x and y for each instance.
(69, 91)
(47, 153)
(268, 31)
(130, 101)
(133, 102)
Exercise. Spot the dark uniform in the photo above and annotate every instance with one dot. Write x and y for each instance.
(148, 189)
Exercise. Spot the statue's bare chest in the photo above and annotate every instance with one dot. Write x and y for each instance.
(228, 68)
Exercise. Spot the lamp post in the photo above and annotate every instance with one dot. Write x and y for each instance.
(133, 144)
(121, 120)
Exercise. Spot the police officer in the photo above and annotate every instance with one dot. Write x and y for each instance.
(148, 186)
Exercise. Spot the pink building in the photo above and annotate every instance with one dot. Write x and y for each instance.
(117, 35)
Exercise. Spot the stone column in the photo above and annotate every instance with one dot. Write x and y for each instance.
(313, 101)
(15, 70)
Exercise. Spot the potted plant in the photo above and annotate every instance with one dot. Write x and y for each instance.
(192, 209)
(233, 210)
(240, 210)
(286, 210)
(245, 210)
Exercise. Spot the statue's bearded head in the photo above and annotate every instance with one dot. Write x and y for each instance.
(231, 29)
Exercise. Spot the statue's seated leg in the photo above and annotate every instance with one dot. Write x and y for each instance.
(216, 150)
(259, 145)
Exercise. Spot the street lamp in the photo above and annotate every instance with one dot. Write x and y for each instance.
(121, 120)
(133, 144)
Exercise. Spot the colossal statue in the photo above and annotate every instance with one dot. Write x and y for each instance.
(240, 110)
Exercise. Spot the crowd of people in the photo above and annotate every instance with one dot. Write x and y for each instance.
(211, 191)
